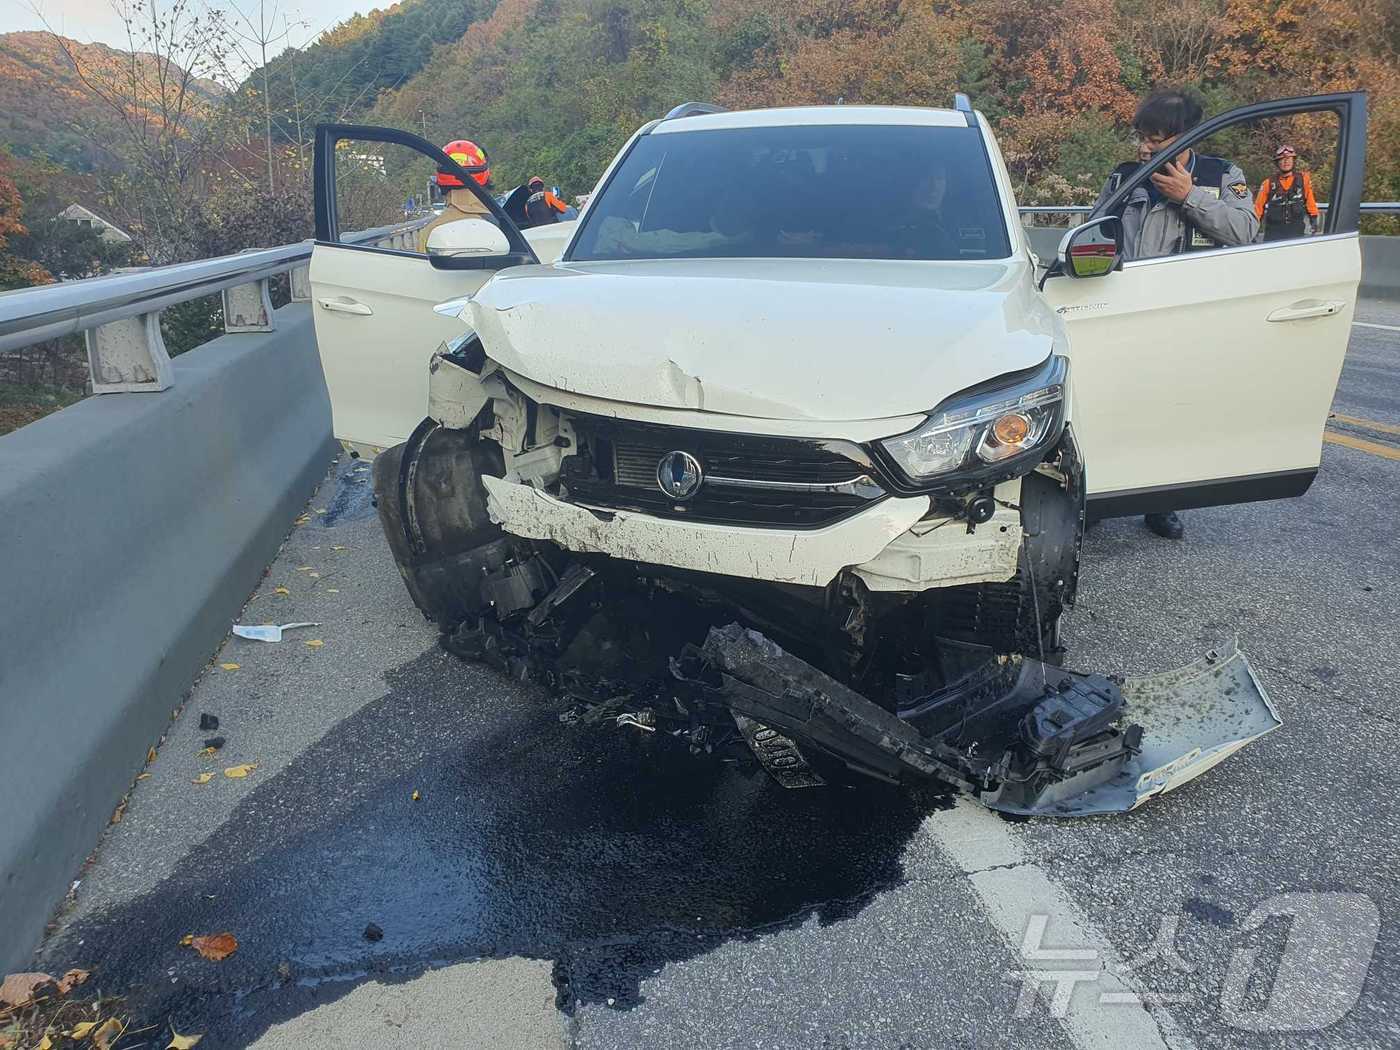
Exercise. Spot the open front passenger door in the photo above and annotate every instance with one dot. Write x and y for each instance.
(1205, 377)
(384, 255)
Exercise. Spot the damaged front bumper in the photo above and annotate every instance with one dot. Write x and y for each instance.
(1018, 735)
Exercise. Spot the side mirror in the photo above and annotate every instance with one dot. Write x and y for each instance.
(467, 237)
(1094, 249)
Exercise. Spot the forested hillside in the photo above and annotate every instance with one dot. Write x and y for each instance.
(556, 85)
(342, 74)
(47, 110)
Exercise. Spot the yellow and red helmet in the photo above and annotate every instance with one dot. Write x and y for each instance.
(469, 155)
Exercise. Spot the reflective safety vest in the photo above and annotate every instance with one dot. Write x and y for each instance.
(1285, 209)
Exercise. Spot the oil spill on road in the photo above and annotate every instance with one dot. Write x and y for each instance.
(530, 838)
(354, 492)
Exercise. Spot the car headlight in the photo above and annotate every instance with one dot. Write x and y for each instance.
(986, 430)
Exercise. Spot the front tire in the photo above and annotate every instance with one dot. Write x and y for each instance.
(432, 506)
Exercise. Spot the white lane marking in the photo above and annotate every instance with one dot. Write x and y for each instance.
(1371, 324)
(1016, 894)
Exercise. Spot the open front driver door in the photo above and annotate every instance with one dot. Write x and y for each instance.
(1206, 377)
(382, 259)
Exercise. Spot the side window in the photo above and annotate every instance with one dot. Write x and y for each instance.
(389, 190)
(1282, 167)
(383, 189)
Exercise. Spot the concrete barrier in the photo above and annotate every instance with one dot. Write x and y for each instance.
(132, 529)
(1380, 267)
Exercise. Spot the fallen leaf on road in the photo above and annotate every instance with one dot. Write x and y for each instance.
(44, 1044)
(181, 1042)
(81, 1029)
(239, 772)
(143, 776)
(203, 778)
(119, 812)
(215, 946)
(18, 988)
(110, 1031)
(315, 643)
(313, 575)
(320, 510)
(416, 796)
(302, 520)
(280, 590)
(186, 940)
(72, 979)
(305, 568)
(229, 667)
(150, 755)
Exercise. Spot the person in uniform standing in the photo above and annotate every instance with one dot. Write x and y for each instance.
(1192, 203)
(1285, 203)
(462, 203)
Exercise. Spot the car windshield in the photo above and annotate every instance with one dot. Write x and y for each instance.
(800, 192)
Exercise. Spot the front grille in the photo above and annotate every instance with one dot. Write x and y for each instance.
(749, 480)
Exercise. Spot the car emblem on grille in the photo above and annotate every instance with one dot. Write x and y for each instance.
(678, 474)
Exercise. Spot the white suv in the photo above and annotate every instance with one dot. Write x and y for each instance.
(798, 371)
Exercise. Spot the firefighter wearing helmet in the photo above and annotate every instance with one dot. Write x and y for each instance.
(462, 203)
(1285, 202)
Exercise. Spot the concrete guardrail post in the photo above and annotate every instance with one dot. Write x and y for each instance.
(248, 308)
(301, 284)
(129, 355)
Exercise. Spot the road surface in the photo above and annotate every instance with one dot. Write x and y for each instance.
(559, 886)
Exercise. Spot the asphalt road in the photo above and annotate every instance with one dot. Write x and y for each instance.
(556, 885)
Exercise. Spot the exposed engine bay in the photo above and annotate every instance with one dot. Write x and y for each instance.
(561, 547)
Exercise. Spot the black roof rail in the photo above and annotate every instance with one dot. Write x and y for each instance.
(963, 105)
(692, 109)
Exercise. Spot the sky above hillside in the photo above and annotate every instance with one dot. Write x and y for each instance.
(97, 20)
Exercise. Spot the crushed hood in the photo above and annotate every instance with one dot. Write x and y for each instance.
(767, 338)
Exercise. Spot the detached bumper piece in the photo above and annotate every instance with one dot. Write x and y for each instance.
(1018, 735)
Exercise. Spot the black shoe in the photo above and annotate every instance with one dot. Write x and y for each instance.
(1167, 525)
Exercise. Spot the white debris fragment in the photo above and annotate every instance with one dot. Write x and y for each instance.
(266, 632)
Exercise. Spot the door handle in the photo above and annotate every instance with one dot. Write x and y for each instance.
(346, 305)
(1306, 308)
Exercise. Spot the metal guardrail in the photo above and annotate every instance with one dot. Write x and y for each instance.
(1370, 207)
(120, 312)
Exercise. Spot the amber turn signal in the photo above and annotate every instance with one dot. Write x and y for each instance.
(1011, 429)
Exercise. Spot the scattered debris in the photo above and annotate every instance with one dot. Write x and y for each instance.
(215, 947)
(373, 933)
(208, 723)
(314, 643)
(150, 755)
(280, 590)
(119, 812)
(182, 1042)
(267, 632)
(302, 520)
(239, 772)
(143, 776)
(415, 796)
(229, 667)
(203, 778)
(81, 1029)
(214, 743)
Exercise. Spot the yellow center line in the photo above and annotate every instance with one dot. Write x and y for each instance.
(1375, 448)
(1368, 424)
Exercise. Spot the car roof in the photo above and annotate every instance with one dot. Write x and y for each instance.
(793, 115)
